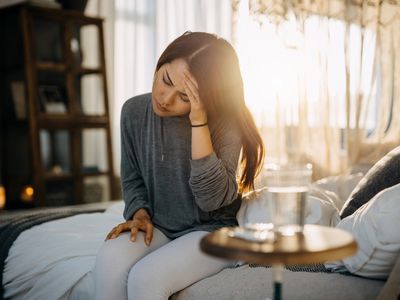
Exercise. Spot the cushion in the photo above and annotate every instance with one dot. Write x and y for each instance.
(385, 173)
(340, 186)
(375, 226)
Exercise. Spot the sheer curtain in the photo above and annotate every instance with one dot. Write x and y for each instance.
(322, 79)
(143, 28)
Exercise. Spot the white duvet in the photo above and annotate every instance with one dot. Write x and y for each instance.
(55, 260)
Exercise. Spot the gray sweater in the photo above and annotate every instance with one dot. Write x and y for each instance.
(157, 173)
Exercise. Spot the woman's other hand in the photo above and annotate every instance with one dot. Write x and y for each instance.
(198, 113)
(140, 221)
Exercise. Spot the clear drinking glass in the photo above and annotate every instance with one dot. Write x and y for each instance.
(287, 186)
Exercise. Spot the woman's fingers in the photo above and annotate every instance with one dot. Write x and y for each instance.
(197, 114)
(120, 228)
(144, 225)
(110, 234)
(191, 79)
(189, 93)
(115, 232)
(134, 231)
(134, 227)
(149, 233)
(191, 88)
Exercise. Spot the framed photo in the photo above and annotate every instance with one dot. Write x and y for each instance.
(51, 99)
(18, 95)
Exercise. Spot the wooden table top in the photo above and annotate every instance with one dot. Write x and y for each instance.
(317, 244)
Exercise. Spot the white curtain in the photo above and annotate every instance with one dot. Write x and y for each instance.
(322, 78)
(143, 28)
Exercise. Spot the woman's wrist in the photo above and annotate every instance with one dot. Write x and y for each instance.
(198, 118)
(141, 213)
(199, 124)
(199, 121)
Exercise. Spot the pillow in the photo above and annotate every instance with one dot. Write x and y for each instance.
(375, 226)
(340, 185)
(385, 173)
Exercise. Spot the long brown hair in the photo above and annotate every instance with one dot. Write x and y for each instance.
(215, 65)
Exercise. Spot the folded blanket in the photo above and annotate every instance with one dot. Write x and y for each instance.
(314, 268)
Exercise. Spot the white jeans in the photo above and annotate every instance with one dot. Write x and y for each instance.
(131, 270)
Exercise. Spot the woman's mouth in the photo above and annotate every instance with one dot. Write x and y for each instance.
(160, 107)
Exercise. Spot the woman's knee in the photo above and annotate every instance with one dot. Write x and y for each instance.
(121, 253)
(116, 254)
(147, 282)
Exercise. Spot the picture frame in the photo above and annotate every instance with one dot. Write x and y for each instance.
(18, 95)
(51, 99)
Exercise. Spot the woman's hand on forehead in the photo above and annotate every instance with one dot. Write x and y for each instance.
(198, 113)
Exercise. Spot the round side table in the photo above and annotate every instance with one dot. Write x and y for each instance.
(317, 244)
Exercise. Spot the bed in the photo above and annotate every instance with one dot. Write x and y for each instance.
(63, 269)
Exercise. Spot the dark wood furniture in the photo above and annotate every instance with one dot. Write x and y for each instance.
(55, 125)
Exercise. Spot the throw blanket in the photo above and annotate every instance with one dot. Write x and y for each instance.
(314, 268)
(15, 223)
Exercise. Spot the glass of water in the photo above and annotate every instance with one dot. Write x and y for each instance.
(287, 186)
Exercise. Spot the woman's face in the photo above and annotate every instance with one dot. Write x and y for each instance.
(168, 95)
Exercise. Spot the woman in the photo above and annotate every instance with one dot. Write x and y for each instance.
(180, 152)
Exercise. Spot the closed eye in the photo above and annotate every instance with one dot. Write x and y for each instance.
(166, 82)
(186, 100)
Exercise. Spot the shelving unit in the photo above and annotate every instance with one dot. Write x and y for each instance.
(59, 144)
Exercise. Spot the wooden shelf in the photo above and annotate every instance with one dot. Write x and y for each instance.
(87, 71)
(89, 174)
(49, 66)
(57, 177)
(45, 58)
(67, 176)
(62, 15)
(66, 121)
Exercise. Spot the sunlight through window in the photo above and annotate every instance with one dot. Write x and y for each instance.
(296, 71)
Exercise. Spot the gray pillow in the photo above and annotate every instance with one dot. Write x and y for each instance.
(385, 173)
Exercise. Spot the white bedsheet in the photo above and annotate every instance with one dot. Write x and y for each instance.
(63, 268)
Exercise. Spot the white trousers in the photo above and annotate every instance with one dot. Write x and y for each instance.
(131, 270)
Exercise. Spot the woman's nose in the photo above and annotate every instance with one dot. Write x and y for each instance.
(169, 97)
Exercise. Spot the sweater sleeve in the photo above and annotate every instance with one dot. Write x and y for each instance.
(134, 190)
(213, 178)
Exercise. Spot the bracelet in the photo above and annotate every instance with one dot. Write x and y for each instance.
(200, 125)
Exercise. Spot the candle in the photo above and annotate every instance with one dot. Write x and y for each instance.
(27, 193)
(2, 197)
